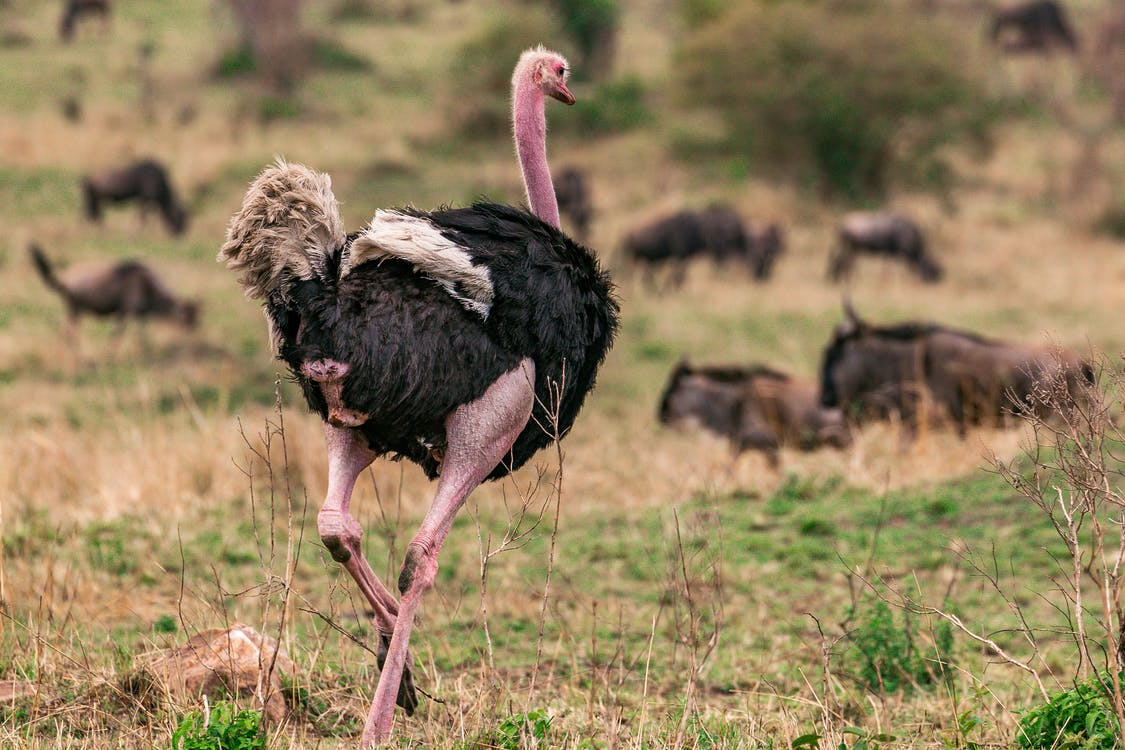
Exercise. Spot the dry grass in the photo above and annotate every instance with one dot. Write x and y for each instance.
(121, 463)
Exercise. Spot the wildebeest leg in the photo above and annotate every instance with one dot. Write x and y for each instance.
(142, 211)
(479, 435)
(71, 338)
(679, 273)
(756, 438)
(840, 264)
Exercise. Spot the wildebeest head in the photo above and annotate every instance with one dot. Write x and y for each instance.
(187, 314)
(707, 396)
(764, 247)
(176, 216)
(685, 396)
(872, 371)
(833, 362)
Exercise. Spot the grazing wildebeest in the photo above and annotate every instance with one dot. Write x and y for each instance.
(756, 407)
(717, 232)
(881, 233)
(727, 238)
(75, 9)
(573, 196)
(669, 241)
(128, 289)
(146, 182)
(1035, 26)
(925, 372)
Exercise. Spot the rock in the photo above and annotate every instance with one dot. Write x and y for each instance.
(235, 660)
(10, 690)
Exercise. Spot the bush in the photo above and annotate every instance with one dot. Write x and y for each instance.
(1082, 717)
(1112, 221)
(515, 732)
(885, 656)
(612, 107)
(592, 24)
(484, 68)
(837, 93)
(224, 729)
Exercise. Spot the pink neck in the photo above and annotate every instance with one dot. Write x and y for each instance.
(529, 122)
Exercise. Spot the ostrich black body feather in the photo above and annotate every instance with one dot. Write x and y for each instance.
(416, 353)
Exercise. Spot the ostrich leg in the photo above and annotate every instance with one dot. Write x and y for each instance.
(478, 434)
(348, 455)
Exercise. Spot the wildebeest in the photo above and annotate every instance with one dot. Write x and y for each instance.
(726, 238)
(717, 232)
(573, 196)
(755, 406)
(1035, 26)
(881, 233)
(764, 245)
(124, 290)
(75, 9)
(927, 373)
(144, 181)
(667, 242)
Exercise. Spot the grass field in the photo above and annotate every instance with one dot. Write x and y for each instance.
(695, 599)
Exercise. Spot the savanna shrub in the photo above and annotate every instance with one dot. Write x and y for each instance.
(592, 25)
(613, 107)
(1112, 220)
(481, 77)
(840, 94)
(885, 656)
(517, 731)
(1079, 718)
(225, 729)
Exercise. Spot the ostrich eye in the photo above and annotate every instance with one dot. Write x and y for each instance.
(561, 71)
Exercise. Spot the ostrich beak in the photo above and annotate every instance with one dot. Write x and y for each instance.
(562, 93)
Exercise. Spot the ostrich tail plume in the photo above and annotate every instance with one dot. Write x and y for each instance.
(288, 228)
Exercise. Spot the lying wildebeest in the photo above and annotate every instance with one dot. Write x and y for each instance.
(146, 182)
(75, 9)
(717, 232)
(1035, 26)
(128, 289)
(881, 233)
(924, 372)
(756, 407)
(573, 196)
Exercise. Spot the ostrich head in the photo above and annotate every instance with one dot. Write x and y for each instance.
(545, 70)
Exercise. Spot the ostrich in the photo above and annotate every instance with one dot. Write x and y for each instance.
(463, 339)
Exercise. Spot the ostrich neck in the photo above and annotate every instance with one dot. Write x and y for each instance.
(530, 124)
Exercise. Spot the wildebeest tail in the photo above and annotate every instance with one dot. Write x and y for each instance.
(46, 271)
(288, 229)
